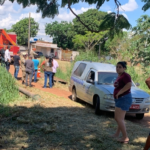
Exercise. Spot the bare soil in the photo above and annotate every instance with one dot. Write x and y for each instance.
(57, 123)
(62, 90)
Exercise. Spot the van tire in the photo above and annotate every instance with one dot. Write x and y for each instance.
(97, 105)
(74, 95)
(140, 116)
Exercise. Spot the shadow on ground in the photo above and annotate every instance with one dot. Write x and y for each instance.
(62, 128)
(145, 122)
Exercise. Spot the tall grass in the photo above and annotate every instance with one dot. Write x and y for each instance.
(40, 62)
(64, 75)
(137, 76)
(8, 89)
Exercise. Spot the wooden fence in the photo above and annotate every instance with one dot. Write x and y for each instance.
(66, 55)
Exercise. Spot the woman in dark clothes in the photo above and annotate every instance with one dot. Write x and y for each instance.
(123, 100)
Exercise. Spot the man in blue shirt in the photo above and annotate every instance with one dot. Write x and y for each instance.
(36, 64)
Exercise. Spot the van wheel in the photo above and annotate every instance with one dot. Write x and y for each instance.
(97, 106)
(140, 116)
(74, 95)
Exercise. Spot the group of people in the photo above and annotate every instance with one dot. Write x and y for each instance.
(5, 58)
(29, 65)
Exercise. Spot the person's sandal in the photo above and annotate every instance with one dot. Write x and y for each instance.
(123, 142)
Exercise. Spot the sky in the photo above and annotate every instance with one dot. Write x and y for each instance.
(10, 13)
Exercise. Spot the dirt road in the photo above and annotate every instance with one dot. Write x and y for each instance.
(66, 94)
(56, 91)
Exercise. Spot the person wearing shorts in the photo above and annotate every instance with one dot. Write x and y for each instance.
(123, 100)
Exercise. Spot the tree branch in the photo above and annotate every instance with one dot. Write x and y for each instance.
(69, 6)
(118, 4)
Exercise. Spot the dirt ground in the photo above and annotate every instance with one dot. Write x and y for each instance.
(56, 123)
(62, 90)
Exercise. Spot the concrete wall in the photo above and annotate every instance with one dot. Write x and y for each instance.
(45, 50)
(74, 54)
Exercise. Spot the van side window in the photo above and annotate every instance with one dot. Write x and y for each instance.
(91, 76)
(80, 69)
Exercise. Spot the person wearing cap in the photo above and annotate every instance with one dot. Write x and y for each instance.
(32, 52)
(29, 67)
(23, 57)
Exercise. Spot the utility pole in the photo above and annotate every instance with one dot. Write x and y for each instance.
(29, 35)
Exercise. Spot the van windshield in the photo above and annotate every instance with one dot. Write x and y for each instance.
(107, 78)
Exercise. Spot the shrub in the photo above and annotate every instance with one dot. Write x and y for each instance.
(8, 89)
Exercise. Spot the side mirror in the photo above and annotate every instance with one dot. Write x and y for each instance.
(90, 81)
(137, 84)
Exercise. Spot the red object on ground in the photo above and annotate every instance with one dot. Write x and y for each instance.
(39, 73)
(8, 40)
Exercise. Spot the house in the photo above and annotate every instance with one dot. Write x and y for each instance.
(47, 48)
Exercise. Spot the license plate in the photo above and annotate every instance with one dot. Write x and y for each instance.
(135, 107)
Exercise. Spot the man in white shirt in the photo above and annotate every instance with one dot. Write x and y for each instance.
(7, 58)
(55, 66)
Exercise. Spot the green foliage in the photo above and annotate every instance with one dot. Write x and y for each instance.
(141, 43)
(64, 75)
(21, 29)
(89, 40)
(118, 46)
(51, 9)
(114, 25)
(146, 5)
(62, 33)
(8, 89)
(138, 77)
(90, 56)
(93, 18)
(41, 60)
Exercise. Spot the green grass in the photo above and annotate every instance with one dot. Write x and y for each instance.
(8, 89)
(137, 76)
(56, 123)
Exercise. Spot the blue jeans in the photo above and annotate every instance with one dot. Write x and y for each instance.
(16, 71)
(35, 75)
(7, 66)
(48, 74)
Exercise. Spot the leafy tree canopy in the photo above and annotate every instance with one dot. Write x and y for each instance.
(141, 44)
(92, 18)
(21, 29)
(113, 21)
(62, 33)
(89, 40)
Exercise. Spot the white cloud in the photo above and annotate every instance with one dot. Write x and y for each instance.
(130, 6)
(8, 8)
(7, 22)
(10, 15)
(36, 16)
(108, 12)
(68, 16)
